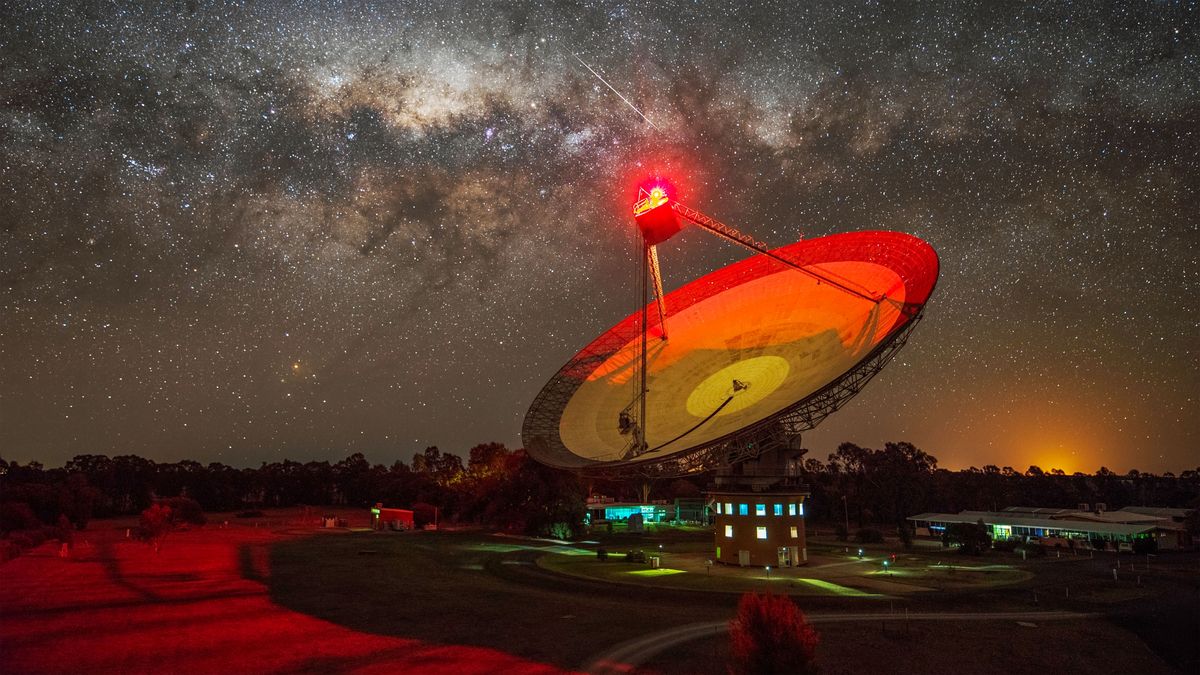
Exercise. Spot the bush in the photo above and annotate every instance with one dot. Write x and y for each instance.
(1029, 550)
(1005, 545)
(635, 557)
(22, 540)
(423, 514)
(184, 510)
(17, 516)
(905, 532)
(868, 535)
(972, 538)
(1143, 546)
(770, 635)
(8, 550)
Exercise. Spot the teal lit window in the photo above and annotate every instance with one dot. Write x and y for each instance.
(801, 508)
(779, 509)
(760, 509)
(743, 509)
(791, 509)
(761, 532)
(718, 508)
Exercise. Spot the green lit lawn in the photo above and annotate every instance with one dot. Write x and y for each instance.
(721, 579)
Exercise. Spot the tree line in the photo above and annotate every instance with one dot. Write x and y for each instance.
(505, 489)
(873, 487)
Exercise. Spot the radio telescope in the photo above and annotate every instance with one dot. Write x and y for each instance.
(737, 362)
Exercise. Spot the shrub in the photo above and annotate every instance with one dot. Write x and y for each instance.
(22, 540)
(8, 550)
(184, 510)
(1006, 545)
(869, 535)
(972, 538)
(423, 514)
(770, 635)
(1143, 546)
(17, 516)
(155, 523)
(561, 531)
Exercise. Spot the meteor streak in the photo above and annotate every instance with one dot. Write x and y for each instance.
(613, 89)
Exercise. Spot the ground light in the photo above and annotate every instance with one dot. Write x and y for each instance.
(768, 571)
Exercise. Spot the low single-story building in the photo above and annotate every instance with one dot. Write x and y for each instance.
(1097, 528)
(601, 509)
(393, 519)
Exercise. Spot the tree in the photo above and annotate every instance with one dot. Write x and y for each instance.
(155, 525)
(972, 537)
(904, 530)
(770, 635)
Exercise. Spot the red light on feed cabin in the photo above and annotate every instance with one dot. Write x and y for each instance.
(653, 213)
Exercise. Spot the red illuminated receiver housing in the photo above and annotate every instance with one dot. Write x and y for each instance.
(655, 217)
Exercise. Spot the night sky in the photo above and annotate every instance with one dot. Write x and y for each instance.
(241, 233)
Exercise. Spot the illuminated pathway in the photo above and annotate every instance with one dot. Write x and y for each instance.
(625, 657)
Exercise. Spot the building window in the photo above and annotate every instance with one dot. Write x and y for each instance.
(718, 508)
(743, 509)
(729, 531)
(779, 509)
(760, 509)
(794, 533)
(801, 508)
(761, 532)
(791, 509)
(728, 509)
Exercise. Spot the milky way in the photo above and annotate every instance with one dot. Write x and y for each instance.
(239, 233)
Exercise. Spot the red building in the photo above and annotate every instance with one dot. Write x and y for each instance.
(391, 519)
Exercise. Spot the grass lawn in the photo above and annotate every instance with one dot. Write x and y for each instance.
(279, 595)
(440, 587)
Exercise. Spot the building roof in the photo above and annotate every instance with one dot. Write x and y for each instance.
(1159, 511)
(1022, 520)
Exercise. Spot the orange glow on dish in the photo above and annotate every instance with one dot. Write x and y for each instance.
(757, 323)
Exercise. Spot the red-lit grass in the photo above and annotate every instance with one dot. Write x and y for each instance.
(199, 606)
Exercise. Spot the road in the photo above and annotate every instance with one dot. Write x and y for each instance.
(626, 656)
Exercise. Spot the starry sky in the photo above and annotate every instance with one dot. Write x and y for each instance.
(241, 232)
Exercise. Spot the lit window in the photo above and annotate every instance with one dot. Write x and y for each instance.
(743, 509)
(728, 508)
(718, 508)
(791, 509)
(779, 509)
(794, 533)
(760, 509)
(801, 508)
(729, 531)
(761, 532)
